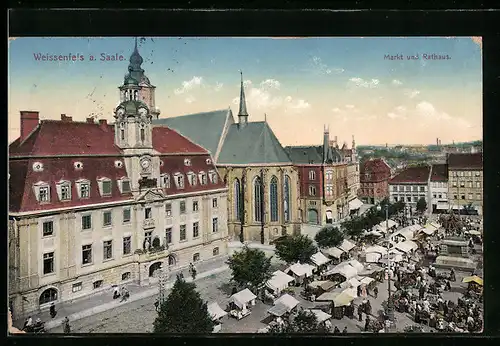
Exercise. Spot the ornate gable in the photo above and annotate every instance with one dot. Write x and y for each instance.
(151, 196)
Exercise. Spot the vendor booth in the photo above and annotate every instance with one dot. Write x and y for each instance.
(216, 312)
(407, 246)
(279, 282)
(346, 246)
(321, 316)
(240, 303)
(320, 261)
(300, 272)
(288, 301)
(344, 270)
(335, 253)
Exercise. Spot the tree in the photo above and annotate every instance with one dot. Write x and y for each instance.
(421, 205)
(250, 267)
(297, 248)
(329, 236)
(355, 226)
(304, 321)
(184, 311)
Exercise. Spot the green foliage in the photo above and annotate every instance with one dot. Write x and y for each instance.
(421, 205)
(297, 248)
(329, 236)
(250, 267)
(304, 321)
(184, 311)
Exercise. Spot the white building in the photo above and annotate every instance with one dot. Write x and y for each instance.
(439, 188)
(410, 185)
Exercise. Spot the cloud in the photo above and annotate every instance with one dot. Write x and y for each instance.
(396, 82)
(189, 99)
(195, 82)
(316, 65)
(360, 82)
(218, 86)
(271, 84)
(298, 105)
(349, 106)
(411, 93)
(397, 113)
(336, 110)
(427, 110)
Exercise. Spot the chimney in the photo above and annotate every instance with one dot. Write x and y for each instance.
(29, 122)
(66, 118)
(103, 124)
(90, 120)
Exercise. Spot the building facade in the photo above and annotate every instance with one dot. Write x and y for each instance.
(325, 183)
(374, 178)
(465, 187)
(438, 188)
(410, 185)
(93, 205)
(263, 184)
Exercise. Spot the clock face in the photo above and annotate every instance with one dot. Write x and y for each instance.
(145, 164)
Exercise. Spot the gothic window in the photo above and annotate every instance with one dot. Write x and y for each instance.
(237, 199)
(286, 198)
(143, 133)
(274, 199)
(257, 186)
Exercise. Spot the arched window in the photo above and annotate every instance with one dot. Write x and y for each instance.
(257, 188)
(286, 198)
(274, 198)
(49, 295)
(143, 133)
(237, 200)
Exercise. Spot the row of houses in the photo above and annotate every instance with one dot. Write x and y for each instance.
(456, 184)
(93, 204)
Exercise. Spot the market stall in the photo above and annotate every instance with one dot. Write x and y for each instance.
(279, 282)
(321, 316)
(216, 312)
(320, 261)
(288, 301)
(340, 302)
(335, 253)
(346, 246)
(300, 271)
(407, 246)
(240, 303)
(344, 270)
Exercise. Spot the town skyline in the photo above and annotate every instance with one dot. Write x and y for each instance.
(297, 85)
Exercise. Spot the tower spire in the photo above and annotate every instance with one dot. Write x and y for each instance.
(242, 114)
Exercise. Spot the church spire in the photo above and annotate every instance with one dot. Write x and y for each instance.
(134, 68)
(242, 114)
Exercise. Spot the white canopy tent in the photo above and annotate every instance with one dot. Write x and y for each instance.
(351, 291)
(379, 228)
(299, 269)
(319, 259)
(215, 311)
(406, 246)
(373, 257)
(376, 248)
(375, 233)
(357, 265)
(242, 298)
(321, 316)
(287, 300)
(328, 296)
(342, 299)
(355, 204)
(367, 280)
(278, 310)
(354, 282)
(346, 246)
(343, 269)
(473, 232)
(334, 252)
(407, 233)
(279, 281)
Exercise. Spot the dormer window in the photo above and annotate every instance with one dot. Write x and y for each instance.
(83, 188)
(208, 161)
(124, 185)
(38, 167)
(203, 178)
(42, 192)
(187, 162)
(165, 181)
(78, 165)
(213, 177)
(179, 180)
(64, 190)
(105, 186)
(192, 178)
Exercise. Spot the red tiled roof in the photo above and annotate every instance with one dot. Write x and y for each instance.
(416, 174)
(439, 172)
(465, 161)
(168, 141)
(377, 169)
(23, 177)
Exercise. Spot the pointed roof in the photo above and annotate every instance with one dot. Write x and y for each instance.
(256, 143)
(135, 71)
(243, 104)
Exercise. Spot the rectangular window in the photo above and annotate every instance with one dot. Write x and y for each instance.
(106, 187)
(86, 254)
(454, 184)
(408, 199)
(166, 181)
(182, 232)
(126, 276)
(122, 134)
(147, 213)
(469, 184)
(312, 175)
(214, 203)
(395, 199)
(203, 179)
(126, 186)
(47, 228)
(168, 209)
(455, 197)
(182, 207)
(434, 196)
(478, 174)
(422, 188)
(97, 284)
(415, 199)
(84, 190)
(415, 188)
(394, 188)
(48, 263)
(195, 206)
(470, 196)
(462, 197)
(478, 184)
(401, 188)
(215, 225)
(127, 245)
(126, 215)
(478, 196)
(440, 196)
(312, 191)
(43, 194)
(65, 192)
(86, 221)
(168, 235)
(196, 231)
(462, 184)
(180, 181)
(408, 188)
(143, 135)
(148, 236)
(106, 219)
(108, 249)
(77, 287)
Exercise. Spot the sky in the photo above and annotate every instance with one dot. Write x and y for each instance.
(299, 85)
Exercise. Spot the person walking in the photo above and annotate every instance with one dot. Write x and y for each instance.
(375, 292)
(345, 330)
(67, 328)
(367, 323)
(52, 310)
(336, 330)
(360, 313)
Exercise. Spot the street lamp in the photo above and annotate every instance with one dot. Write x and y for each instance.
(390, 304)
